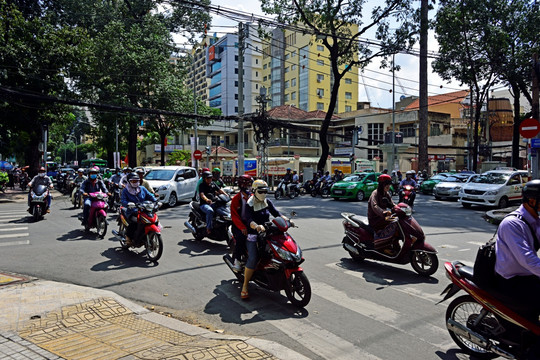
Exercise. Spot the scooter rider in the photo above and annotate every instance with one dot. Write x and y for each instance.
(91, 185)
(124, 179)
(79, 179)
(144, 182)
(207, 193)
(135, 193)
(408, 181)
(116, 177)
(40, 179)
(287, 180)
(517, 265)
(238, 216)
(379, 209)
(216, 178)
(259, 209)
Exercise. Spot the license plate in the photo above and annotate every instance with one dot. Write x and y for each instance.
(338, 192)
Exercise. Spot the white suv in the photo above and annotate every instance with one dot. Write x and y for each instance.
(173, 183)
(496, 188)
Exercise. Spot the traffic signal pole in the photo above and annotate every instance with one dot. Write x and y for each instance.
(241, 38)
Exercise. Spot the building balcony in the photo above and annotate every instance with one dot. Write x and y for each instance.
(295, 142)
(234, 147)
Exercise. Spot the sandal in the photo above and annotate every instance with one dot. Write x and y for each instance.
(244, 295)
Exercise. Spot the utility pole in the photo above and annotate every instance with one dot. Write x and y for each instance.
(535, 109)
(423, 100)
(241, 46)
(195, 109)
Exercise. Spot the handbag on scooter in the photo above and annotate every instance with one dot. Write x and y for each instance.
(484, 264)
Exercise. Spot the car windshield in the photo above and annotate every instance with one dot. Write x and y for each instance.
(456, 179)
(160, 175)
(491, 178)
(356, 177)
(438, 177)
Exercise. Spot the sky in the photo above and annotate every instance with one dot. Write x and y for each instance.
(378, 82)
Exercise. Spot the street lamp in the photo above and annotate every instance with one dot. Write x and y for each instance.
(75, 142)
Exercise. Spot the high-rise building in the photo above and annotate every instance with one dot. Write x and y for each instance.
(296, 71)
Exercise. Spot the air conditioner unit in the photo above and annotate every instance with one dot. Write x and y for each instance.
(318, 80)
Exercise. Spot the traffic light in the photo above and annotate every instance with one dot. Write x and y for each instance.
(208, 151)
(351, 157)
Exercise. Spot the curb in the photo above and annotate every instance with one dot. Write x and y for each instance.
(496, 216)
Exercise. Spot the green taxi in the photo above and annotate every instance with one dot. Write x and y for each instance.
(426, 187)
(357, 186)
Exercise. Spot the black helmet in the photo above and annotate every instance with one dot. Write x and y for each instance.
(206, 174)
(133, 176)
(531, 190)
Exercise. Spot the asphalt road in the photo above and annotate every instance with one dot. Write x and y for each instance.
(368, 310)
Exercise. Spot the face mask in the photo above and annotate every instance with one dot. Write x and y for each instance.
(41, 174)
(134, 184)
(260, 196)
(93, 176)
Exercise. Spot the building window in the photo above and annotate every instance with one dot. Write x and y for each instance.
(348, 81)
(286, 69)
(235, 96)
(320, 78)
(265, 78)
(264, 66)
(286, 97)
(373, 153)
(320, 106)
(236, 71)
(320, 93)
(256, 74)
(348, 95)
(320, 62)
(320, 48)
(293, 54)
(375, 134)
(256, 61)
(236, 84)
(293, 95)
(293, 67)
(286, 57)
(435, 130)
(287, 84)
(407, 130)
(348, 108)
(293, 82)
(235, 57)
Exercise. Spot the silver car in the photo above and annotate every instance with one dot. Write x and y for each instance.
(450, 187)
(173, 183)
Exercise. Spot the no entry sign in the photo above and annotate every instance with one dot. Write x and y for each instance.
(529, 128)
(197, 154)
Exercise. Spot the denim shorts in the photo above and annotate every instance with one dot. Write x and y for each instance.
(253, 258)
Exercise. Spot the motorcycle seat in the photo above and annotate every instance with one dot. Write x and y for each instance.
(466, 272)
(360, 220)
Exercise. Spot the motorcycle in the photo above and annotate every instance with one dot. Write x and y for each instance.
(221, 229)
(114, 199)
(291, 190)
(279, 265)
(148, 233)
(306, 187)
(406, 195)
(38, 201)
(23, 182)
(97, 218)
(322, 188)
(360, 244)
(481, 324)
(77, 200)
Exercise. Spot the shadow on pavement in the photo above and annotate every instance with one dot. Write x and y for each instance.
(453, 354)
(203, 248)
(263, 305)
(119, 259)
(79, 234)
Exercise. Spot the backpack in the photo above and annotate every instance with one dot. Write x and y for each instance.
(484, 264)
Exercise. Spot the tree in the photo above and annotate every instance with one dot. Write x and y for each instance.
(465, 23)
(332, 23)
(179, 156)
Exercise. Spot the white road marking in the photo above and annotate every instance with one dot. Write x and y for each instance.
(476, 243)
(448, 246)
(13, 229)
(14, 235)
(21, 242)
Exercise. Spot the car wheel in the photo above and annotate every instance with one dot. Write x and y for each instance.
(360, 196)
(173, 200)
(503, 203)
(466, 205)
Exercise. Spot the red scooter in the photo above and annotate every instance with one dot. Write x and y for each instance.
(482, 325)
(279, 265)
(411, 247)
(407, 195)
(98, 213)
(148, 233)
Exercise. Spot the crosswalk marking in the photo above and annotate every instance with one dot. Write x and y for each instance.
(478, 243)
(10, 243)
(14, 235)
(13, 229)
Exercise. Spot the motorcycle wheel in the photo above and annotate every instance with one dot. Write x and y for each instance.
(122, 232)
(313, 193)
(298, 289)
(325, 193)
(101, 226)
(277, 194)
(37, 213)
(154, 246)
(424, 263)
(292, 194)
(193, 221)
(462, 310)
(302, 191)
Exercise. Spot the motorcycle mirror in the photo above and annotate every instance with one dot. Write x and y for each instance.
(293, 214)
(160, 204)
(131, 205)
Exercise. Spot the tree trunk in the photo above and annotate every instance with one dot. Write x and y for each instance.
(515, 133)
(477, 112)
(423, 160)
(162, 137)
(132, 143)
(326, 123)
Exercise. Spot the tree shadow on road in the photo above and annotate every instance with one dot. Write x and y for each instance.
(79, 234)
(263, 305)
(119, 259)
(385, 274)
(204, 247)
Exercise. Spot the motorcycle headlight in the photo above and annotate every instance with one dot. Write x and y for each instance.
(407, 211)
(286, 255)
(494, 192)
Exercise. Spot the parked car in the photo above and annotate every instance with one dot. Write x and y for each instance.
(450, 187)
(173, 183)
(426, 187)
(357, 186)
(497, 188)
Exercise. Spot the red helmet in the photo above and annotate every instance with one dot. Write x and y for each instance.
(245, 181)
(385, 179)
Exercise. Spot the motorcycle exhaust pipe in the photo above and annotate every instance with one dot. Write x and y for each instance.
(477, 339)
(190, 227)
(118, 236)
(351, 248)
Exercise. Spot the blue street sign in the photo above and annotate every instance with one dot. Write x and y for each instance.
(535, 143)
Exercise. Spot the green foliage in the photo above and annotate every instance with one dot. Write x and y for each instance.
(183, 156)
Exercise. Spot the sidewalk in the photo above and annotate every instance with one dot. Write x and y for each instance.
(11, 195)
(496, 216)
(42, 319)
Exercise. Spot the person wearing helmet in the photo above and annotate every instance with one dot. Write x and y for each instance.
(409, 180)
(517, 266)
(77, 182)
(124, 179)
(287, 181)
(380, 207)
(258, 211)
(238, 216)
(208, 190)
(41, 179)
(135, 193)
(144, 182)
(117, 176)
(91, 185)
(216, 177)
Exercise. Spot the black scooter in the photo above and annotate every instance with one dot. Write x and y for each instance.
(221, 229)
